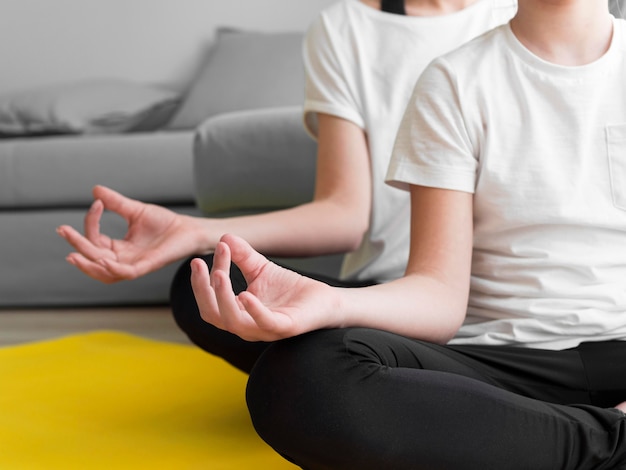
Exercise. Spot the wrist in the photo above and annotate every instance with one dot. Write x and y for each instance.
(338, 311)
(202, 239)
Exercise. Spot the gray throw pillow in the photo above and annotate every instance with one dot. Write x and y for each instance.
(245, 70)
(99, 106)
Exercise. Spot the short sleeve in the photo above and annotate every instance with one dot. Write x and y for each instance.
(432, 147)
(331, 77)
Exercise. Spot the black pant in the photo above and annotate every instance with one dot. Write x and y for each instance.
(359, 398)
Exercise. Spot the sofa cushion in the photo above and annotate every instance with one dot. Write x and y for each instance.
(34, 272)
(60, 171)
(245, 70)
(86, 107)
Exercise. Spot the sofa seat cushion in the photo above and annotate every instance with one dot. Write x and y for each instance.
(60, 171)
(35, 274)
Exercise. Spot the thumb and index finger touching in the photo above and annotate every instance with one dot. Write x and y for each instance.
(113, 201)
(240, 252)
(104, 198)
(230, 249)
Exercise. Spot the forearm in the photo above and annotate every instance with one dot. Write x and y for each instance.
(334, 222)
(316, 228)
(417, 306)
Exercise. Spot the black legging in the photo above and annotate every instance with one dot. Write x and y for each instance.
(359, 398)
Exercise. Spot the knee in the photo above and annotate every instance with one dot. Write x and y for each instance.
(298, 394)
(310, 367)
(280, 390)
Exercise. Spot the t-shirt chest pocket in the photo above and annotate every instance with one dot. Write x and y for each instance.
(616, 152)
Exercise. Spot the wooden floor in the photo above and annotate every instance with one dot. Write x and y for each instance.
(22, 326)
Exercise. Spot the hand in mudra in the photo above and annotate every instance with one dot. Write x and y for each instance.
(278, 303)
(155, 237)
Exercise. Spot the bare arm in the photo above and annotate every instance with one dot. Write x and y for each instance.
(338, 216)
(334, 222)
(429, 302)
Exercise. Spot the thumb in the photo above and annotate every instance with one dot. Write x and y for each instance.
(116, 202)
(247, 259)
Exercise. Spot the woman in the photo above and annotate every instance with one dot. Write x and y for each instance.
(361, 65)
(502, 346)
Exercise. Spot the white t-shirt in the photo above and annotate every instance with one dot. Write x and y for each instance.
(543, 149)
(361, 65)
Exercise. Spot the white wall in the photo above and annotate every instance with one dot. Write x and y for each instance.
(43, 41)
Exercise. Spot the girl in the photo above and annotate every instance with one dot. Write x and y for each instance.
(502, 346)
(362, 59)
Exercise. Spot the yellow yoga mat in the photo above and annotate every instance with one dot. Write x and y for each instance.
(109, 400)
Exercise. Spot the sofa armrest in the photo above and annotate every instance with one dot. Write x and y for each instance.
(253, 161)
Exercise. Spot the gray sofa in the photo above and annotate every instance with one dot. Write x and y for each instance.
(235, 144)
(47, 182)
(251, 81)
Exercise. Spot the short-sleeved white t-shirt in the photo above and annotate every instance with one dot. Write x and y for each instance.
(361, 65)
(543, 149)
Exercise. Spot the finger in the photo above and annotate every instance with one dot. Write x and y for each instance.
(92, 222)
(249, 261)
(105, 193)
(204, 293)
(233, 319)
(273, 325)
(117, 202)
(221, 260)
(90, 268)
(124, 271)
(81, 244)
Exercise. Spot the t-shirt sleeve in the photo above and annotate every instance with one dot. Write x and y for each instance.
(432, 147)
(331, 77)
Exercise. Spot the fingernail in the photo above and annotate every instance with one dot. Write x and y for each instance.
(193, 266)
